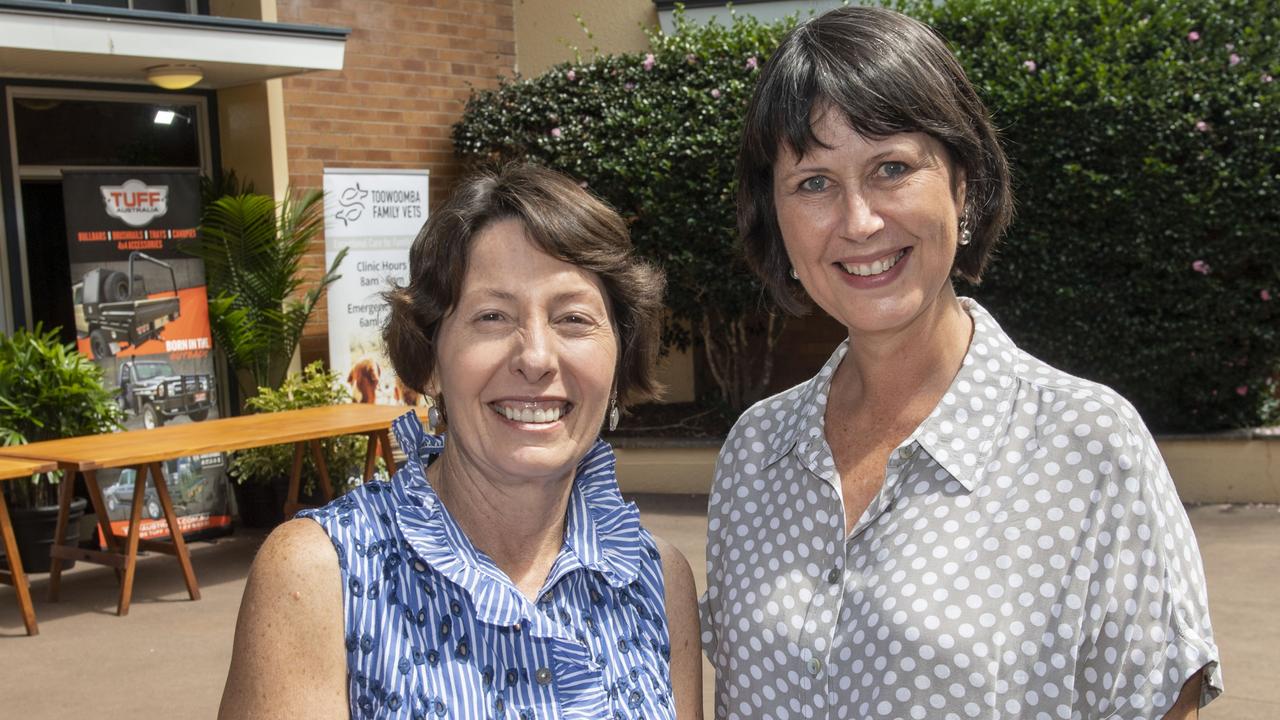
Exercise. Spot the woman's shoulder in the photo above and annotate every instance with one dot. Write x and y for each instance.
(362, 506)
(1064, 395)
(300, 545)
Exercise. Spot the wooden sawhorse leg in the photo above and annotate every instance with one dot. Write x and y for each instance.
(65, 490)
(177, 545)
(60, 551)
(291, 503)
(15, 576)
(104, 519)
(379, 443)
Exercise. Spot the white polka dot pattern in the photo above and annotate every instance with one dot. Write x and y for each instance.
(1027, 557)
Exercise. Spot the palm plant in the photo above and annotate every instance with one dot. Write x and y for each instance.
(253, 247)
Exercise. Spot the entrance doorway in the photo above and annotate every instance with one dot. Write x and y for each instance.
(47, 257)
(58, 129)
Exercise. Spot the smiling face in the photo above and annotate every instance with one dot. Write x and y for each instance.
(525, 360)
(870, 225)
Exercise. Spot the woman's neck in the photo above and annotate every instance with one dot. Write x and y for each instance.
(908, 370)
(520, 526)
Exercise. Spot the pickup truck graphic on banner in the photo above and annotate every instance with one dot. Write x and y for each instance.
(142, 313)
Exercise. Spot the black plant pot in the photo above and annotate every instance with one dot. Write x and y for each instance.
(34, 529)
(259, 507)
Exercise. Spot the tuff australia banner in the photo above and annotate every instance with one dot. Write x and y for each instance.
(375, 214)
(142, 314)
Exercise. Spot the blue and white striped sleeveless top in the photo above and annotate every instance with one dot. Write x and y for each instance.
(435, 630)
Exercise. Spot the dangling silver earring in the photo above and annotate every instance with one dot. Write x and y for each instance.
(794, 276)
(966, 235)
(613, 412)
(435, 417)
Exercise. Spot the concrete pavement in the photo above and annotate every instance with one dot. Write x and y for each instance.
(168, 658)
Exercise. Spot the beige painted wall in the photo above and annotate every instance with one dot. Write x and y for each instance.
(251, 117)
(548, 30)
(1224, 471)
(1204, 470)
(245, 134)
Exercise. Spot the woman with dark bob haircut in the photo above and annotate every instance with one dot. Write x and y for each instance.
(499, 574)
(936, 525)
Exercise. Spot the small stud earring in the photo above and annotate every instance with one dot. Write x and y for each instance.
(794, 276)
(613, 413)
(435, 417)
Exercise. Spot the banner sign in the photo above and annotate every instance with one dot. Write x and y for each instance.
(375, 214)
(142, 314)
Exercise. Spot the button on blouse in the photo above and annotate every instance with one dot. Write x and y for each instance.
(1026, 557)
(435, 630)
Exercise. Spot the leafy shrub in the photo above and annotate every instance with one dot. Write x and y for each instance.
(1144, 137)
(344, 456)
(656, 135)
(48, 390)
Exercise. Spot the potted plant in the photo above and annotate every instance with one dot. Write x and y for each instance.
(48, 390)
(252, 247)
(261, 474)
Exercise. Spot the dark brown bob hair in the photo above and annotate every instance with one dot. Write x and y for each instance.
(564, 221)
(887, 74)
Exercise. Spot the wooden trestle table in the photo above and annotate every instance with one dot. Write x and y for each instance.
(145, 450)
(12, 468)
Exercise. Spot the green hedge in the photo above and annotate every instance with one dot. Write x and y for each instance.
(656, 135)
(1144, 137)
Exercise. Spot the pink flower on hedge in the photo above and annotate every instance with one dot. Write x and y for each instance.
(555, 132)
(1266, 78)
(649, 62)
(628, 86)
(715, 93)
(1030, 65)
(571, 76)
(1242, 390)
(752, 63)
(1202, 126)
(1201, 267)
(1265, 295)
(583, 184)
(1193, 36)
(1233, 60)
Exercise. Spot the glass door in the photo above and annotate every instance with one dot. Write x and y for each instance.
(52, 130)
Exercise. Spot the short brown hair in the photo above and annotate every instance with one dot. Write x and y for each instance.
(887, 74)
(564, 221)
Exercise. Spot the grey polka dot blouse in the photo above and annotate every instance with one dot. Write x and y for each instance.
(1027, 557)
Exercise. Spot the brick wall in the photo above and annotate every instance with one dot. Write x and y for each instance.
(410, 66)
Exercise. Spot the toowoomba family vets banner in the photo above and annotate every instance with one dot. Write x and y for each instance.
(375, 214)
(142, 314)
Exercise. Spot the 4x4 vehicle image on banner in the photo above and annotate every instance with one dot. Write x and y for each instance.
(141, 312)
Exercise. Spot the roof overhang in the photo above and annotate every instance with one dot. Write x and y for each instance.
(49, 40)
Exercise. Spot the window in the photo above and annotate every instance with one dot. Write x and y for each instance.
(83, 132)
(178, 6)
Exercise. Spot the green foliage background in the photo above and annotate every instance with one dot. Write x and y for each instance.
(259, 298)
(1139, 148)
(657, 138)
(344, 456)
(48, 390)
(1144, 138)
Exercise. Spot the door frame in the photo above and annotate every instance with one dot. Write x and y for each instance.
(15, 282)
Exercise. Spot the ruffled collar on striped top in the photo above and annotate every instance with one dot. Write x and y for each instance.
(602, 531)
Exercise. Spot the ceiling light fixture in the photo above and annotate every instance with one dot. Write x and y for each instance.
(174, 77)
